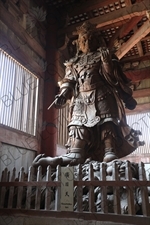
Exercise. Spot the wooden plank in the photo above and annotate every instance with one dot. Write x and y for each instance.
(140, 108)
(6, 43)
(91, 190)
(138, 9)
(11, 189)
(29, 188)
(141, 93)
(87, 6)
(139, 45)
(140, 49)
(58, 189)
(79, 190)
(20, 189)
(130, 190)
(125, 29)
(144, 191)
(104, 206)
(138, 75)
(138, 35)
(38, 189)
(136, 58)
(128, 2)
(18, 138)
(3, 188)
(129, 26)
(122, 14)
(103, 183)
(20, 32)
(48, 189)
(121, 219)
(116, 190)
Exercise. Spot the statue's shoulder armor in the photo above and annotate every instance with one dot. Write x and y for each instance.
(71, 61)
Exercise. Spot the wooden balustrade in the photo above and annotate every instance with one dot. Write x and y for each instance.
(36, 192)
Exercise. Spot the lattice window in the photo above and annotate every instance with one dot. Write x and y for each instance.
(18, 95)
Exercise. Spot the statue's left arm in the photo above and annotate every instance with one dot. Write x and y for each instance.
(114, 75)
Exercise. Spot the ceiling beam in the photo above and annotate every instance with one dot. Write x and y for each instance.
(128, 2)
(138, 35)
(125, 29)
(140, 108)
(139, 45)
(138, 9)
(138, 75)
(141, 93)
(81, 7)
(136, 58)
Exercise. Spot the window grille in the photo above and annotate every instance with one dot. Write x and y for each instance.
(18, 95)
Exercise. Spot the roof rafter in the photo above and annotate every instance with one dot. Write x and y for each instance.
(138, 9)
(87, 6)
(125, 29)
(138, 35)
(138, 75)
(141, 93)
(136, 58)
(140, 108)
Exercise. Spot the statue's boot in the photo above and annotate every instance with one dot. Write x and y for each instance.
(74, 157)
(41, 160)
(109, 155)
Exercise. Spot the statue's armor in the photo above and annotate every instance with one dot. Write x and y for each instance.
(90, 106)
(97, 93)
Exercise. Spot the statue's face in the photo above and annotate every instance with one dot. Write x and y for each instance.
(87, 43)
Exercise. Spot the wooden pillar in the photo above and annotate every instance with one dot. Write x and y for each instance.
(49, 133)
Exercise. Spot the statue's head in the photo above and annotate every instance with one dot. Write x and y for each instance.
(86, 39)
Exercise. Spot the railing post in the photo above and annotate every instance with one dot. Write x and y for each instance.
(144, 191)
(104, 207)
(130, 190)
(58, 189)
(116, 190)
(20, 189)
(79, 190)
(29, 188)
(48, 189)
(11, 189)
(3, 189)
(91, 189)
(38, 189)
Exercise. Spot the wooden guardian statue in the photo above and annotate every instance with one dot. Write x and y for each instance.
(99, 91)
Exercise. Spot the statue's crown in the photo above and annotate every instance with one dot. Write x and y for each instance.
(86, 27)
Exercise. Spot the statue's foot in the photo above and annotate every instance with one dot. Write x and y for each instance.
(41, 160)
(37, 158)
(54, 161)
(72, 159)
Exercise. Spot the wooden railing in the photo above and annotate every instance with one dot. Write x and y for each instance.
(34, 192)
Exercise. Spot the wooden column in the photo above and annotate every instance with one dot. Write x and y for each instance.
(49, 133)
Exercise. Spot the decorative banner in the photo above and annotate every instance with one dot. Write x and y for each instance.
(67, 185)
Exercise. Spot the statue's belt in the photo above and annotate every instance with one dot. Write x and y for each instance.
(89, 87)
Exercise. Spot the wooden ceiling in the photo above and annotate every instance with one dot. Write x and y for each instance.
(125, 26)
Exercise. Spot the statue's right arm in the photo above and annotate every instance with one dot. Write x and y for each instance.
(66, 88)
